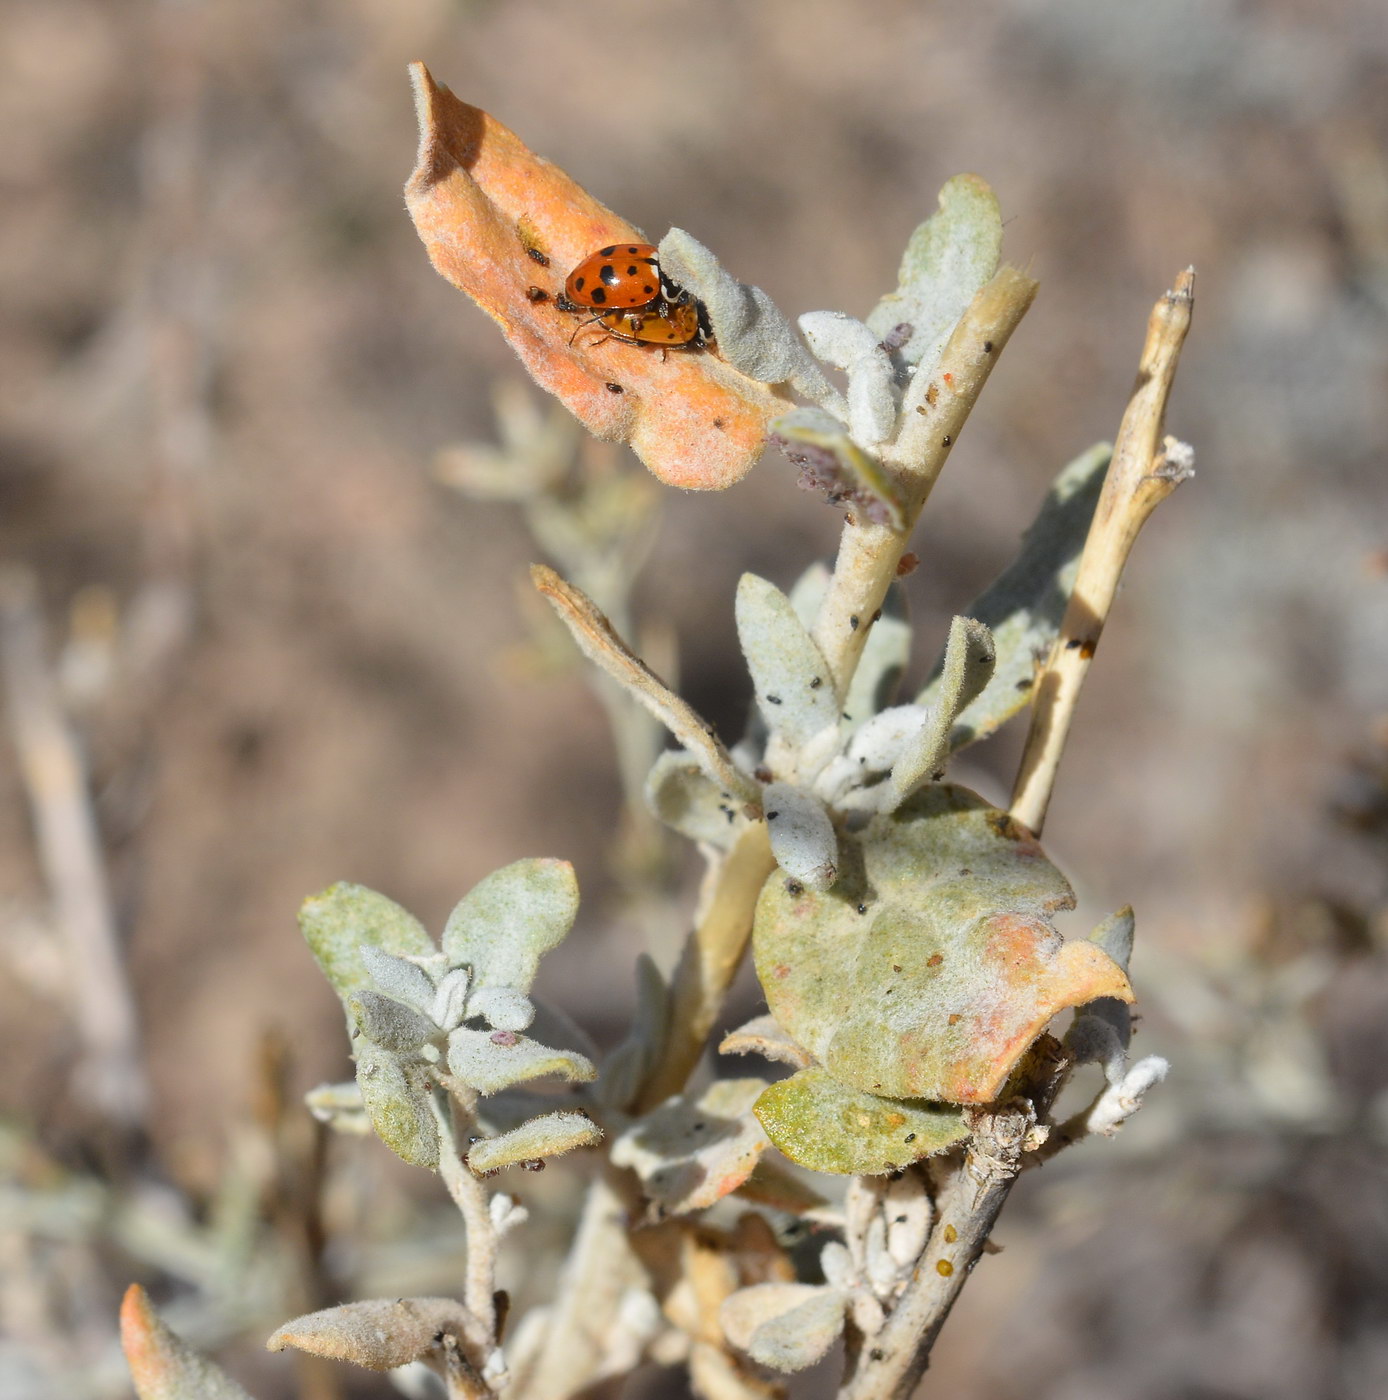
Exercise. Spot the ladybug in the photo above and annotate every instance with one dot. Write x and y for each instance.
(622, 275)
(670, 324)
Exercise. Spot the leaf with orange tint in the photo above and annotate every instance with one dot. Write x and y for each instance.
(499, 221)
(162, 1365)
(932, 965)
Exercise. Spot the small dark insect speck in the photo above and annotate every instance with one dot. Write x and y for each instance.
(948, 440)
(817, 682)
(773, 699)
(987, 347)
(536, 294)
(614, 388)
(794, 887)
(535, 1164)
(719, 424)
(852, 624)
(1073, 644)
(910, 1137)
(862, 908)
(877, 614)
(535, 255)
(771, 816)
(896, 967)
(698, 1127)
(876, 1354)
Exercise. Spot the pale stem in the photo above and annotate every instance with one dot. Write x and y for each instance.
(709, 963)
(1139, 478)
(471, 1198)
(893, 1360)
(933, 417)
(110, 1075)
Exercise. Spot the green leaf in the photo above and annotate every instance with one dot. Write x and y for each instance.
(826, 1126)
(346, 918)
(546, 1136)
(794, 691)
(950, 256)
(395, 1090)
(506, 923)
(1023, 607)
(932, 964)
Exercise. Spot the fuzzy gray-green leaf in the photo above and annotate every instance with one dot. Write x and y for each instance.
(389, 1023)
(826, 1126)
(802, 836)
(508, 921)
(344, 919)
(1023, 607)
(970, 657)
(949, 257)
(494, 1060)
(546, 1136)
(687, 800)
(794, 690)
(395, 1093)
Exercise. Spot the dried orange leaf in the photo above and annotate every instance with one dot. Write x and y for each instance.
(933, 964)
(162, 1365)
(381, 1333)
(503, 224)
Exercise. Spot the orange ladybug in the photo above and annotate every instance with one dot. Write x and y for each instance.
(626, 274)
(670, 324)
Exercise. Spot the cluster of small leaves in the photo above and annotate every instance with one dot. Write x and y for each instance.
(421, 1016)
(838, 439)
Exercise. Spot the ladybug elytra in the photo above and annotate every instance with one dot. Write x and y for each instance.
(633, 301)
(626, 274)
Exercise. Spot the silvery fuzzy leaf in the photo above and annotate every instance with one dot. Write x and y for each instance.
(884, 658)
(787, 1326)
(1093, 1041)
(878, 743)
(907, 1211)
(809, 592)
(970, 657)
(764, 1036)
(831, 462)
(398, 978)
(339, 1106)
(849, 345)
(1121, 1100)
(752, 334)
(690, 1154)
(626, 1066)
(162, 1365)
(506, 922)
(346, 918)
(493, 1060)
(503, 1008)
(682, 796)
(949, 257)
(450, 1000)
(1023, 607)
(836, 1264)
(803, 839)
(396, 1093)
(1115, 937)
(380, 1333)
(389, 1023)
(793, 687)
(546, 1136)
(506, 1213)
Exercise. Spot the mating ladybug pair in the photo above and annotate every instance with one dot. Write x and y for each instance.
(633, 300)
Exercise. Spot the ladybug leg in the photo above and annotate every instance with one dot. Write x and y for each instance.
(583, 325)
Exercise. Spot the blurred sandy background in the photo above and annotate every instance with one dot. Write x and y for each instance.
(225, 366)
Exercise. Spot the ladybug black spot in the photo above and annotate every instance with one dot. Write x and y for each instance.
(649, 291)
(599, 296)
(632, 251)
(578, 283)
(631, 271)
(609, 275)
(607, 252)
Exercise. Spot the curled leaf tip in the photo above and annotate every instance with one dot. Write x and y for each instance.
(506, 226)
